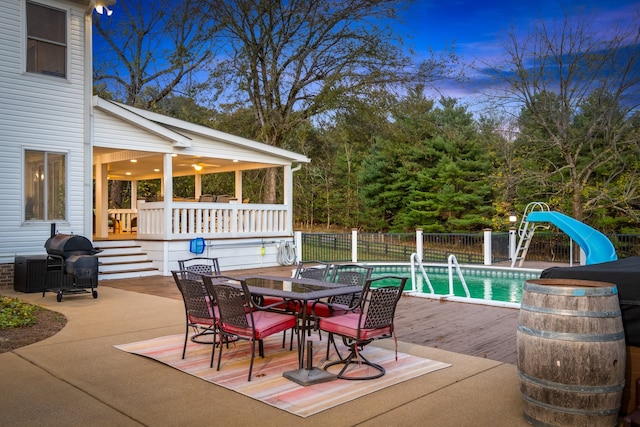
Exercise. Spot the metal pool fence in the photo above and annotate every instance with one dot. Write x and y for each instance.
(436, 247)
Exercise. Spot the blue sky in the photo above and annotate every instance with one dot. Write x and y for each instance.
(478, 27)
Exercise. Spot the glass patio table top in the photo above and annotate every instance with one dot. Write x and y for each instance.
(296, 289)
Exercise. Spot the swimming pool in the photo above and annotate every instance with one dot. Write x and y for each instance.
(500, 286)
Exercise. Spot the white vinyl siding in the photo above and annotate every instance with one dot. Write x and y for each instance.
(41, 113)
(113, 132)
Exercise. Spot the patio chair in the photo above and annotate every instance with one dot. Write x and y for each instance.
(316, 270)
(345, 274)
(370, 320)
(200, 311)
(242, 318)
(312, 270)
(200, 266)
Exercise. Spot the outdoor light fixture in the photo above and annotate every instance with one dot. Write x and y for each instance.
(104, 10)
(513, 218)
(197, 167)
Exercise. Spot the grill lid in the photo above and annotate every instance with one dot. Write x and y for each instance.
(65, 245)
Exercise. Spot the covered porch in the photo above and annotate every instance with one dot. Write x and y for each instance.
(135, 145)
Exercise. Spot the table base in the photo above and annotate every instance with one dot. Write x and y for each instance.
(306, 377)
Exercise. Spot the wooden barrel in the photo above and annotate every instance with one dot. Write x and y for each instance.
(571, 352)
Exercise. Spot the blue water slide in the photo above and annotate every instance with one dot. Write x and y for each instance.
(596, 246)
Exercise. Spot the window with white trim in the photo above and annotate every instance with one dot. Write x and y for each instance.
(45, 186)
(46, 40)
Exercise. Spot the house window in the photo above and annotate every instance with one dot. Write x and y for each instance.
(45, 186)
(46, 40)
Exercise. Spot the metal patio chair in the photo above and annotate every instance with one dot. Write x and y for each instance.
(371, 319)
(200, 266)
(200, 310)
(242, 318)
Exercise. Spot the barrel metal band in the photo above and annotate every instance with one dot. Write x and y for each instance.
(576, 313)
(571, 291)
(600, 389)
(565, 336)
(593, 412)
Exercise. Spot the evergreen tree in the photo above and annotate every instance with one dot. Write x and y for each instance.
(453, 192)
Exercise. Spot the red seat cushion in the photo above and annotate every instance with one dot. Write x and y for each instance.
(266, 323)
(347, 325)
(323, 310)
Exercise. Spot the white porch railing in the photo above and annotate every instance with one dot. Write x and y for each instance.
(122, 220)
(213, 220)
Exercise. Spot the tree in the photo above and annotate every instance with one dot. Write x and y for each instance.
(397, 155)
(294, 60)
(452, 192)
(152, 51)
(577, 88)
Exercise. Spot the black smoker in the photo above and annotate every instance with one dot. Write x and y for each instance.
(73, 259)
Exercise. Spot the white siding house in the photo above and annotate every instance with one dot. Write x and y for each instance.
(56, 140)
(43, 112)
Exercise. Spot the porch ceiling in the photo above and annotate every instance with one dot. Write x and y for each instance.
(129, 165)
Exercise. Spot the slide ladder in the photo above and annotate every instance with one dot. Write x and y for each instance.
(526, 231)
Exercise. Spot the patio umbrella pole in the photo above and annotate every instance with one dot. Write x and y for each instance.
(309, 355)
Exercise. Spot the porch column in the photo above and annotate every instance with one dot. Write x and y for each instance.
(167, 187)
(198, 185)
(288, 195)
(134, 194)
(238, 194)
(102, 201)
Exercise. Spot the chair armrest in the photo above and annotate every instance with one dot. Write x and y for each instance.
(257, 303)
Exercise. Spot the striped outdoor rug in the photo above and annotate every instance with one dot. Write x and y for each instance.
(267, 384)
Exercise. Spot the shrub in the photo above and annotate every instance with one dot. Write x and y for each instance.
(15, 313)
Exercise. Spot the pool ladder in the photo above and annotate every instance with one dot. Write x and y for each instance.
(452, 263)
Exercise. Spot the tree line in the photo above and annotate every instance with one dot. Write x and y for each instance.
(334, 81)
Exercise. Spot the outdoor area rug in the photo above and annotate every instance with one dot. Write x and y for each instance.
(267, 383)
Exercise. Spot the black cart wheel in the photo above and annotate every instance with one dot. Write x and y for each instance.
(59, 296)
(95, 294)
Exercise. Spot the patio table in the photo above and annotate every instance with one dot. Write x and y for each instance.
(301, 291)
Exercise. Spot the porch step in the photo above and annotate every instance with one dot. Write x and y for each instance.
(123, 259)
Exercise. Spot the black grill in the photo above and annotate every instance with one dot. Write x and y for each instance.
(73, 256)
(66, 245)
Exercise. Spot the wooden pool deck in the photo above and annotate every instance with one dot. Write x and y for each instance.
(471, 329)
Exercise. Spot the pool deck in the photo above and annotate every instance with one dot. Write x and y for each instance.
(78, 378)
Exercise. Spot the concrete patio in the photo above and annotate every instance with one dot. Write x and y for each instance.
(77, 377)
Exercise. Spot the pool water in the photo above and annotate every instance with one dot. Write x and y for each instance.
(490, 284)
